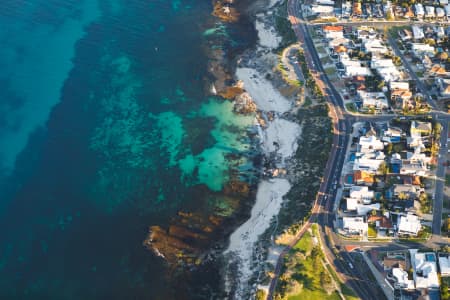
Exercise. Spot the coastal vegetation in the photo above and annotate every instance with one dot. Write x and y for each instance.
(284, 27)
(307, 166)
(304, 274)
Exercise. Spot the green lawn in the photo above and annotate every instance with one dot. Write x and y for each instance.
(321, 50)
(326, 60)
(447, 179)
(372, 232)
(330, 71)
(305, 243)
(351, 107)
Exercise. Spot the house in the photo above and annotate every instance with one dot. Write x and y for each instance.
(444, 264)
(354, 204)
(447, 10)
(337, 42)
(443, 2)
(406, 191)
(419, 10)
(429, 12)
(377, 62)
(444, 86)
(320, 10)
(357, 10)
(375, 100)
(408, 224)
(398, 85)
(393, 262)
(425, 270)
(363, 178)
(437, 70)
(353, 70)
(405, 34)
(333, 32)
(369, 144)
(361, 193)
(389, 73)
(401, 279)
(421, 49)
(392, 135)
(381, 223)
(368, 165)
(340, 49)
(325, 2)
(440, 13)
(420, 128)
(355, 225)
(374, 46)
(409, 167)
(417, 32)
(403, 96)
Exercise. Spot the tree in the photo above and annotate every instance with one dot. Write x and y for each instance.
(389, 15)
(260, 295)
(383, 169)
(389, 148)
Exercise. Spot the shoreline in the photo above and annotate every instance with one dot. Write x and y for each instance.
(278, 143)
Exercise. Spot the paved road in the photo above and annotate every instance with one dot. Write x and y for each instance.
(322, 211)
(419, 83)
(323, 205)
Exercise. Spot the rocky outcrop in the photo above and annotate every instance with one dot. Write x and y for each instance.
(244, 104)
(190, 235)
(225, 10)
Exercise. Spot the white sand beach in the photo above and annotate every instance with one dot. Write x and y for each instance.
(281, 137)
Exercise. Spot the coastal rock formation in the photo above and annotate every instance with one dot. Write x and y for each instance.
(244, 104)
(225, 10)
(190, 235)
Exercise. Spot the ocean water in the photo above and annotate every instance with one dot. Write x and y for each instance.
(106, 128)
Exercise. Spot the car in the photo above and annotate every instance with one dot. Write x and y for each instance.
(350, 265)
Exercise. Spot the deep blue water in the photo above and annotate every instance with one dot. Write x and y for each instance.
(105, 129)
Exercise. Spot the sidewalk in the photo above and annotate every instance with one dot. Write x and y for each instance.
(387, 288)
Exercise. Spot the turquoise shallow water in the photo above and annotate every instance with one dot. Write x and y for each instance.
(105, 129)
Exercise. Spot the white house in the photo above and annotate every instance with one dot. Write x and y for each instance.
(425, 271)
(444, 265)
(401, 278)
(370, 144)
(421, 49)
(375, 100)
(389, 73)
(362, 193)
(408, 224)
(320, 10)
(440, 13)
(377, 62)
(417, 32)
(368, 165)
(374, 46)
(351, 71)
(429, 12)
(443, 2)
(439, 30)
(325, 2)
(447, 10)
(419, 10)
(337, 41)
(398, 85)
(333, 32)
(355, 225)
